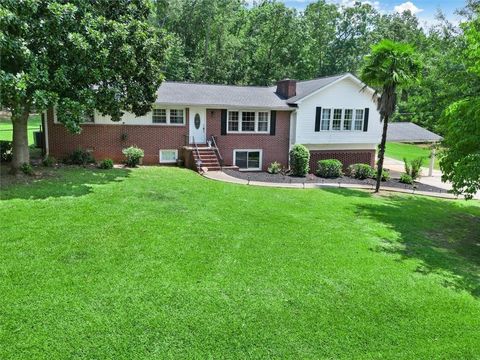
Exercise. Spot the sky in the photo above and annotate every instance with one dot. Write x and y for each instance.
(424, 9)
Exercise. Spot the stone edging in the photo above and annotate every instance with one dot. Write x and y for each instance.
(221, 176)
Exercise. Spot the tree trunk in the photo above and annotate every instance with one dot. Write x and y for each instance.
(381, 153)
(20, 141)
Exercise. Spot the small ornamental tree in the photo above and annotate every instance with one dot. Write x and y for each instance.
(77, 56)
(390, 68)
(299, 159)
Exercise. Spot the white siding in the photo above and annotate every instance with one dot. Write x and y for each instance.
(131, 119)
(345, 94)
(127, 118)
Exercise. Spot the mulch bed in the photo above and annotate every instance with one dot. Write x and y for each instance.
(311, 178)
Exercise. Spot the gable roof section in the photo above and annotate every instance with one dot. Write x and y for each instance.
(410, 132)
(218, 96)
(310, 87)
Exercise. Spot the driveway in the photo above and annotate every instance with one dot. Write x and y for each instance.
(397, 167)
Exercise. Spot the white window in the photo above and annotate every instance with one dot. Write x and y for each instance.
(233, 121)
(248, 121)
(263, 121)
(168, 116)
(159, 116)
(248, 159)
(326, 114)
(168, 156)
(347, 119)
(359, 119)
(176, 116)
(337, 119)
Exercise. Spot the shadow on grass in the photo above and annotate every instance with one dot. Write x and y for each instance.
(444, 235)
(68, 181)
(347, 192)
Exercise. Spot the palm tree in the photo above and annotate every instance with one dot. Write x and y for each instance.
(390, 68)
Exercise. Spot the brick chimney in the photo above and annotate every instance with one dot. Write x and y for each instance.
(287, 88)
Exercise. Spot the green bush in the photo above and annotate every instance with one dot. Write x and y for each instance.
(385, 175)
(27, 169)
(330, 168)
(6, 151)
(274, 168)
(361, 171)
(79, 157)
(406, 179)
(49, 161)
(106, 164)
(133, 155)
(414, 168)
(299, 159)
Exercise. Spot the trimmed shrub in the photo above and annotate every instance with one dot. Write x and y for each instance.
(361, 171)
(133, 155)
(6, 151)
(274, 168)
(385, 175)
(106, 164)
(414, 168)
(406, 179)
(79, 157)
(27, 169)
(330, 168)
(299, 159)
(49, 161)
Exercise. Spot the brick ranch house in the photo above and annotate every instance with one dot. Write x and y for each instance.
(246, 126)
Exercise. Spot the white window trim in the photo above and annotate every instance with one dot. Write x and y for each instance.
(240, 120)
(161, 161)
(249, 150)
(167, 109)
(332, 110)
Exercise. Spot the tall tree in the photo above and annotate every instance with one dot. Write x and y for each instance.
(460, 163)
(78, 56)
(390, 68)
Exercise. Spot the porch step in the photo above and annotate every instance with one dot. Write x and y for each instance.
(207, 157)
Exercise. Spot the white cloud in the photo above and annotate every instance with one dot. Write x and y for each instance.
(407, 6)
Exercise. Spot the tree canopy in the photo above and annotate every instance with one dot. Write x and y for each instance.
(461, 126)
(78, 56)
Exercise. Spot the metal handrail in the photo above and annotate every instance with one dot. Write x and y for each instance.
(217, 150)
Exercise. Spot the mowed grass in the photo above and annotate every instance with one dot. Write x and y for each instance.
(411, 151)
(6, 128)
(162, 263)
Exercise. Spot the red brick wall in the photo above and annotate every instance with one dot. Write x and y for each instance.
(347, 157)
(106, 140)
(275, 147)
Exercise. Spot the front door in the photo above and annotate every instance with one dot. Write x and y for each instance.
(198, 125)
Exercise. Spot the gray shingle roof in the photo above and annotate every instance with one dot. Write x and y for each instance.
(410, 132)
(220, 95)
(306, 87)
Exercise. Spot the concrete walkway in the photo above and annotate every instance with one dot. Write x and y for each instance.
(221, 176)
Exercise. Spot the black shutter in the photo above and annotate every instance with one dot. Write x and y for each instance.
(365, 119)
(223, 125)
(318, 115)
(273, 122)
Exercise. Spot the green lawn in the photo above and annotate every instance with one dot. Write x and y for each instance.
(410, 151)
(162, 263)
(6, 127)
